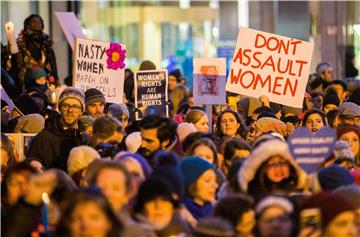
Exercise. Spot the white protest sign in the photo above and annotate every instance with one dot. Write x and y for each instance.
(271, 65)
(100, 65)
(70, 26)
(209, 80)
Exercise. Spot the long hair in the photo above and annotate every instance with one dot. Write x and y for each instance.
(205, 142)
(82, 197)
(242, 130)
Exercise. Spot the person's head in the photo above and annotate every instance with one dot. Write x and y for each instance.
(341, 89)
(267, 124)
(350, 134)
(333, 177)
(15, 183)
(343, 155)
(199, 118)
(273, 215)
(235, 148)
(120, 112)
(204, 148)
(87, 213)
(237, 209)
(325, 70)
(349, 113)
(332, 118)
(157, 133)
(34, 22)
(36, 77)
(7, 153)
(156, 202)
(147, 65)
(71, 106)
(317, 100)
(314, 119)
(107, 130)
(191, 138)
(331, 101)
(172, 82)
(95, 102)
(86, 124)
(177, 96)
(228, 123)
(213, 227)
(79, 159)
(337, 214)
(316, 84)
(113, 179)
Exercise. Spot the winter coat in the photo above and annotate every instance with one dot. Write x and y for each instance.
(51, 147)
(250, 180)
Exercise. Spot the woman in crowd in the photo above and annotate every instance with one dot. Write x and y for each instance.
(228, 123)
(314, 119)
(351, 134)
(199, 118)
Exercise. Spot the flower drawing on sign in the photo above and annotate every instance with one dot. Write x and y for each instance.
(116, 56)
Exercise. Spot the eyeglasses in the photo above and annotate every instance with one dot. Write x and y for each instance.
(73, 107)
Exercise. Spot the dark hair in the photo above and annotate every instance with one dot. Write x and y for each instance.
(205, 142)
(315, 111)
(331, 116)
(339, 82)
(232, 145)
(64, 185)
(104, 127)
(233, 173)
(29, 18)
(82, 197)
(191, 138)
(166, 129)
(241, 130)
(355, 96)
(233, 207)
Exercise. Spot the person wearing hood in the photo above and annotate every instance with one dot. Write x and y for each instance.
(271, 169)
(51, 147)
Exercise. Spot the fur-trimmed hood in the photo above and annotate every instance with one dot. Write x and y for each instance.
(262, 153)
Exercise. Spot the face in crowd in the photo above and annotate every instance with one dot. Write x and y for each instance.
(353, 140)
(314, 122)
(203, 124)
(71, 111)
(159, 212)
(274, 221)
(277, 169)
(205, 188)
(228, 124)
(96, 109)
(150, 142)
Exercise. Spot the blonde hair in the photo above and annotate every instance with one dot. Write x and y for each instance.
(194, 115)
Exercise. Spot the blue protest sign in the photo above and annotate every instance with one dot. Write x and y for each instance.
(311, 149)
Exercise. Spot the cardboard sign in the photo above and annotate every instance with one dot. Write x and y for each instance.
(151, 93)
(20, 142)
(311, 149)
(100, 65)
(70, 26)
(209, 80)
(271, 65)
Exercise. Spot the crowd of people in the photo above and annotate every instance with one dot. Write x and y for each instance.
(94, 170)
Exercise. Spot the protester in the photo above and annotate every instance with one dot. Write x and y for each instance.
(349, 113)
(95, 103)
(228, 123)
(314, 119)
(199, 118)
(351, 134)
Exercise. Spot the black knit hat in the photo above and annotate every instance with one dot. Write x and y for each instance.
(153, 188)
(331, 98)
(93, 95)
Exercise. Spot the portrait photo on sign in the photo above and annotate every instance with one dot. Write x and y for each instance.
(209, 80)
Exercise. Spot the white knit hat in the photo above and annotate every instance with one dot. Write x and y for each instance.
(184, 129)
(133, 142)
(276, 201)
(80, 157)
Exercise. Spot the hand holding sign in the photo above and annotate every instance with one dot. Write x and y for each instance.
(311, 149)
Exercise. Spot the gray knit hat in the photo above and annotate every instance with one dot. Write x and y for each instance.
(72, 92)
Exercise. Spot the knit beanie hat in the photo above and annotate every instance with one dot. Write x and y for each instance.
(153, 188)
(192, 168)
(32, 74)
(343, 151)
(267, 124)
(184, 129)
(80, 157)
(213, 227)
(333, 177)
(331, 98)
(330, 205)
(143, 162)
(118, 110)
(93, 95)
(274, 201)
(351, 193)
(133, 142)
(30, 123)
(72, 92)
(166, 166)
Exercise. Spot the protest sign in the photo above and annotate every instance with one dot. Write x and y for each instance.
(70, 26)
(209, 80)
(20, 142)
(311, 149)
(100, 65)
(271, 65)
(151, 93)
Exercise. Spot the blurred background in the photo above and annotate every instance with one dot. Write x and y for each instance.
(171, 33)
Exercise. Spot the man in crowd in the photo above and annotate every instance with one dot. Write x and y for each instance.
(157, 133)
(95, 102)
(50, 148)
(349, 113)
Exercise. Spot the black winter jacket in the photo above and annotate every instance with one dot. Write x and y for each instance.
(51, 147)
